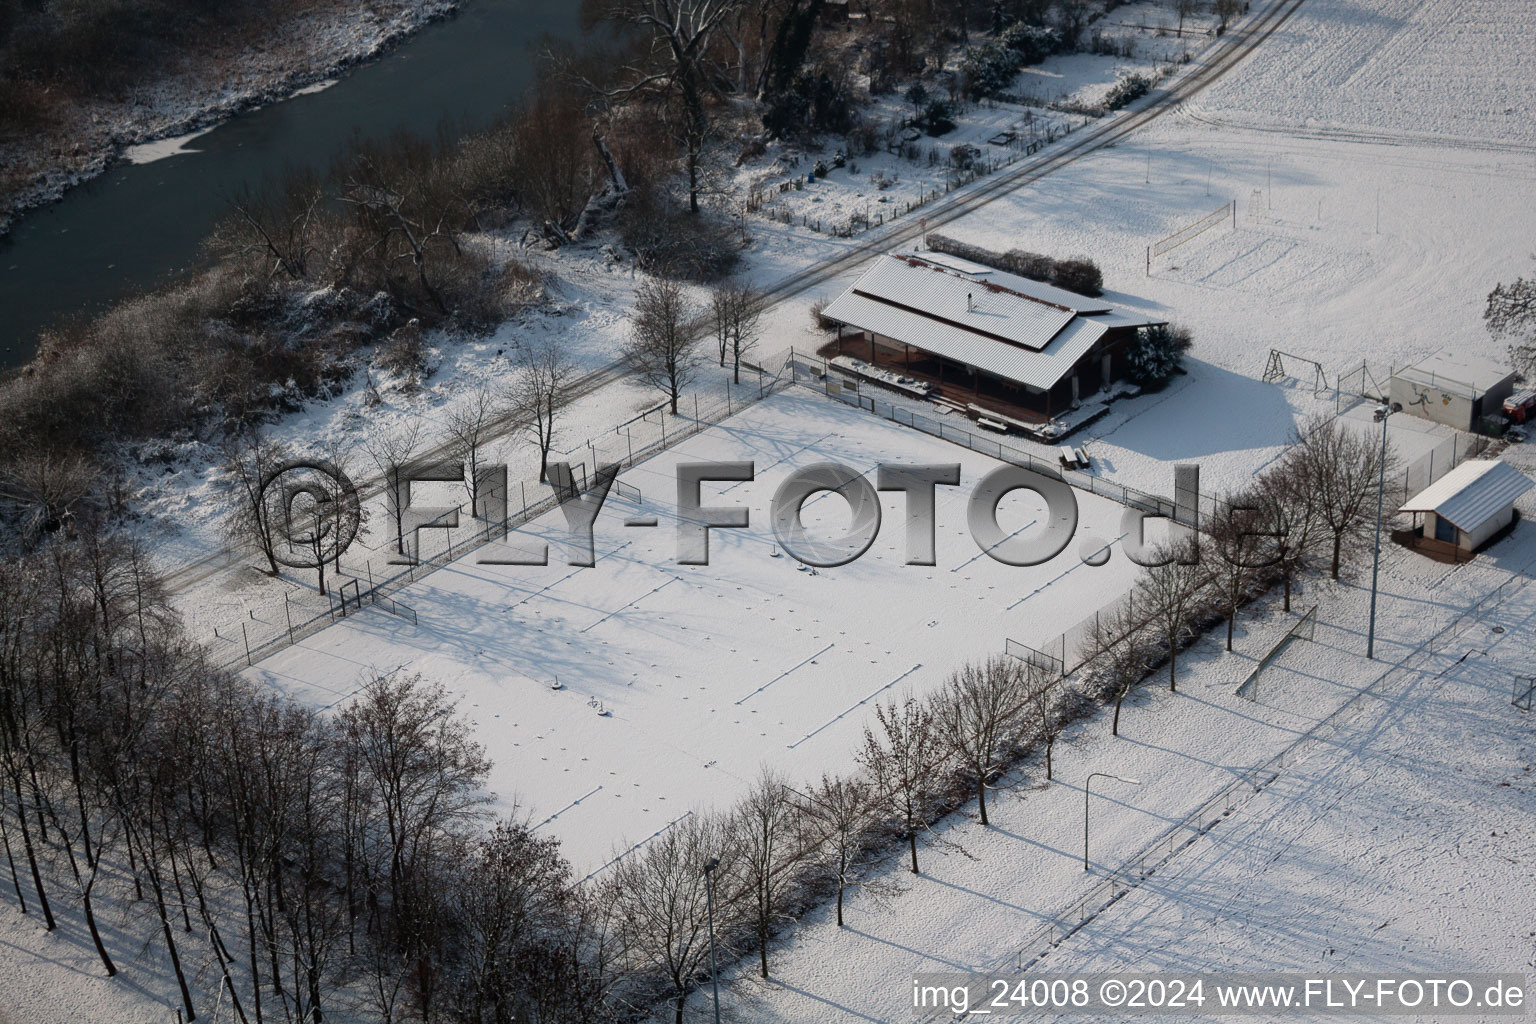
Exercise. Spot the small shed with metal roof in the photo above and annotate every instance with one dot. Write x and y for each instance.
(1469, 505)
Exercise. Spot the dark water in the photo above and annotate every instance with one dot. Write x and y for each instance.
(139, 224)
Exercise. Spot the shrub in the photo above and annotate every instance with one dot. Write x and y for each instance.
(1158, 354)
(938, 118)
(1079, 274)
(1127, 90)
(694, 247)
(820, 322)
(990, 68)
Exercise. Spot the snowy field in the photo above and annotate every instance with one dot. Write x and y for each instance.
(708, 672)
(1400, 874)
(1409, 841)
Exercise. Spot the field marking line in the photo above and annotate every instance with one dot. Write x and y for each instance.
(786, 672)
(855, 707)
(567, 807)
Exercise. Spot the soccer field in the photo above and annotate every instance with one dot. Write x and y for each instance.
(676, 682)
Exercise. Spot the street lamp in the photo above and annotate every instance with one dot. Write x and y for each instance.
(1091, 777)
(709, 898)
(1383, 412)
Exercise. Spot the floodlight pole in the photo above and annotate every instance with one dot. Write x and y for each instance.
(709, 898)
(1086, 785)
(1383, 412)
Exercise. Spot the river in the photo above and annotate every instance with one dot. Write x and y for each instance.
(140, 224)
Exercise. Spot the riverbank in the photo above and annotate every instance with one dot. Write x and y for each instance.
(200, 90)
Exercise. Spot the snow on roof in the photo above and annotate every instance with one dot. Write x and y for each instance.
(1002, 324)
(1471, 494)
(978, 306)
(1461, 372)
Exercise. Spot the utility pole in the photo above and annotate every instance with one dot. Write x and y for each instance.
(709, 898)
(1381, 416)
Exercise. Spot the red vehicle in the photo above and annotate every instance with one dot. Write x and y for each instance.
(1519, 406)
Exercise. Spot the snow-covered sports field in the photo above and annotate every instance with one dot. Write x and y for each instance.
(708, 672)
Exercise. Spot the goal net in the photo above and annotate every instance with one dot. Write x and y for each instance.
(1304, 629)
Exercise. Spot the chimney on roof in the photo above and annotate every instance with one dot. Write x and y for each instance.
(970, 302)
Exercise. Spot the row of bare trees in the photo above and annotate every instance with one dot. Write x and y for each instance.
(781, 846)
(667, 331)
(292, 863)
(258, 855)
(1313, 509)
(667, 336)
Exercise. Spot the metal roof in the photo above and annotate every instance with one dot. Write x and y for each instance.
(1000, 323)
(1471, 494)
(976, 305)
(1036, 369)
(1013, 282)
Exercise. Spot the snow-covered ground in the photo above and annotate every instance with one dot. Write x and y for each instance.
(1310, 889)
(1382, 158)
(1370, 855)
(708, 672)
(910, 168)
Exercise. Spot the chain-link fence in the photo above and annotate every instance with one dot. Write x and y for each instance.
(1244, 788)
(372, 578)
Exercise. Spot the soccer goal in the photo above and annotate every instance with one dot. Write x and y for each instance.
(1189, 232)
(1525, 689)
(1304, 629)
(1033, 656)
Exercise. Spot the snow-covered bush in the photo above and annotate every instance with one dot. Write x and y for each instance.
(1127, 90)
(1158, 354)
(1079, 274)
(990, 68)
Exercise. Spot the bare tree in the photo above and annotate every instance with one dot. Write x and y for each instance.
(1170, 593)
(538, 396)
(401, 216)
(393, 450)
(278, 228)
(1225, 11)
(1343, 469)
(1120, 655)
(1243, 547)
(1047, 695)
(1185, 8)
(662, 344)
(469, 428)
(660, 894)
(903, 757)
(765, 836)
(510, 903)
(735, 309)
(979, 713)
(838, 812)
(1511, 314)
(1287, 508)
(252, 461)
(677, 61)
